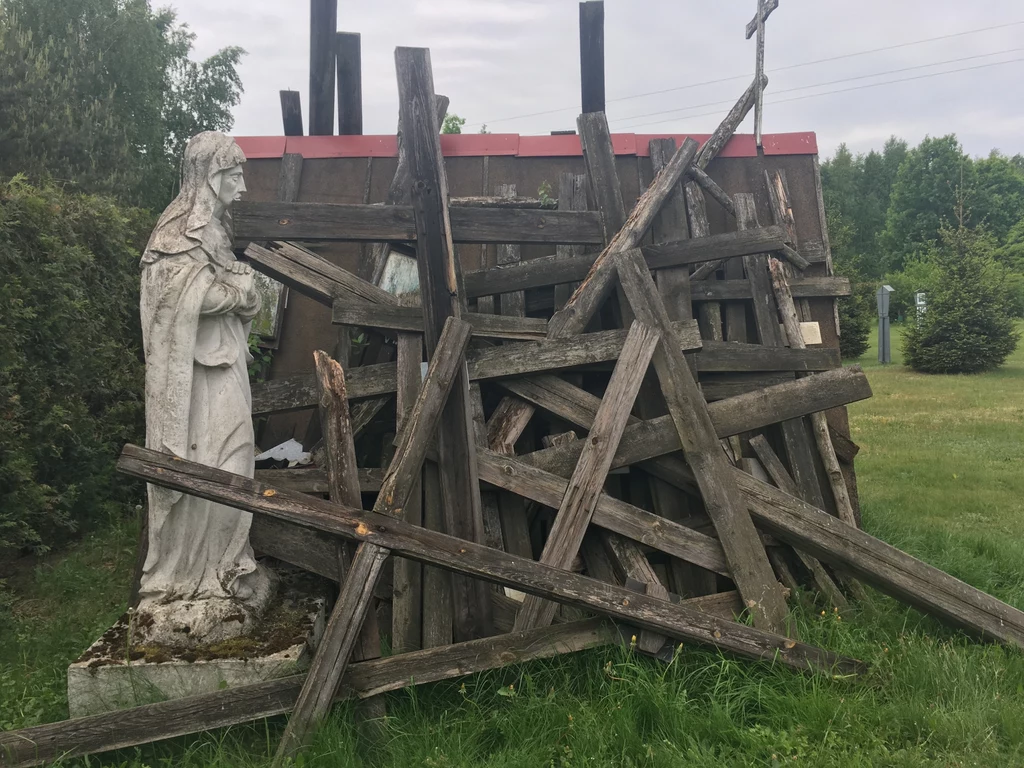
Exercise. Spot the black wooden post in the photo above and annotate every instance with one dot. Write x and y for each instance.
(592, 55)
(350, 84)
(291, 113)
(323, 24)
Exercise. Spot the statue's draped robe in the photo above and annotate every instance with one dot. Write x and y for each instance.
(195, 332)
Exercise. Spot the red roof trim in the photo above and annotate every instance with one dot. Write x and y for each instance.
(481, 144)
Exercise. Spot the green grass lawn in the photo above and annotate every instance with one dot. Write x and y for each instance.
(941, 474)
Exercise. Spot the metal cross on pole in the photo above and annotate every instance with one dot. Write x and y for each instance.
(764, 10)
(759, 70)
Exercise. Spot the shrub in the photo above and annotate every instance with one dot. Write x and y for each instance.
(857, 313)
(968, 326)
(71, 371)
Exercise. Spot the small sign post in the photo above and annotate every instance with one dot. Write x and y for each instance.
(884, 347)
(921, 304)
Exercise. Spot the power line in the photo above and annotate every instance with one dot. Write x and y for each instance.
(777, 69)
(839, 90)
(835, 82)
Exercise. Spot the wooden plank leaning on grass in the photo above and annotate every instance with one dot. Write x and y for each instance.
(402, 478)
(772, 467)
(744, 552)
(232, 706)
(587, 481)
(476, 560)
(181, 717)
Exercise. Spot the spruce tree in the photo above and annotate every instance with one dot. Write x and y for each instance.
(967, 327)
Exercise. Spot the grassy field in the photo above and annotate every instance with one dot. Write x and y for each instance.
(941, 475)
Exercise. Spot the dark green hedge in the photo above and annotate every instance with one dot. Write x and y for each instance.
(71, 370)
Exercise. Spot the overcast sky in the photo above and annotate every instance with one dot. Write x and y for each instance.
(499, 60)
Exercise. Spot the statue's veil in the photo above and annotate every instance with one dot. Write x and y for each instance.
(180, 227)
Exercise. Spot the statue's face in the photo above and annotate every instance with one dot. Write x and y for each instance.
(232, 185)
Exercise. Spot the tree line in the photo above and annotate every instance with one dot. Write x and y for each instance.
(930, 218)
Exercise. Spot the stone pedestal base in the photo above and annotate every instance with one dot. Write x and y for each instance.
(116, 674)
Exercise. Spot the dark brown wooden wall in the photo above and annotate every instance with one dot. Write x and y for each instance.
(307, 324)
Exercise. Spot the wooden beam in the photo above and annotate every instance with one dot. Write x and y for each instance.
(323, 24)
(819, 426)
(524, 358)
(407, 600)
(513, 303)
(398, 193)
(674, 286)
(747, 560)
(514, 414)
(518, 359)
(585, 485)
(488, 497)
(592, 55)
(553, 270)
(671, 225)
(354, 601)
(313, 275)
(442, 296)
(882, 566)
(614, 515)
(350, 83)
(773, 465)
(125, 728)
(710, 186)
(342, 473)
(674, 620)
(291, 113)
(289, 179)
(644, 440)
(594, 289)
(313, 480)
(410, 319)
(373, 223)
(572, 196)
(735, 290)
(795, 435)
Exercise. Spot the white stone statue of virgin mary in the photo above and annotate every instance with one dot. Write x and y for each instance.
(200, 582)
